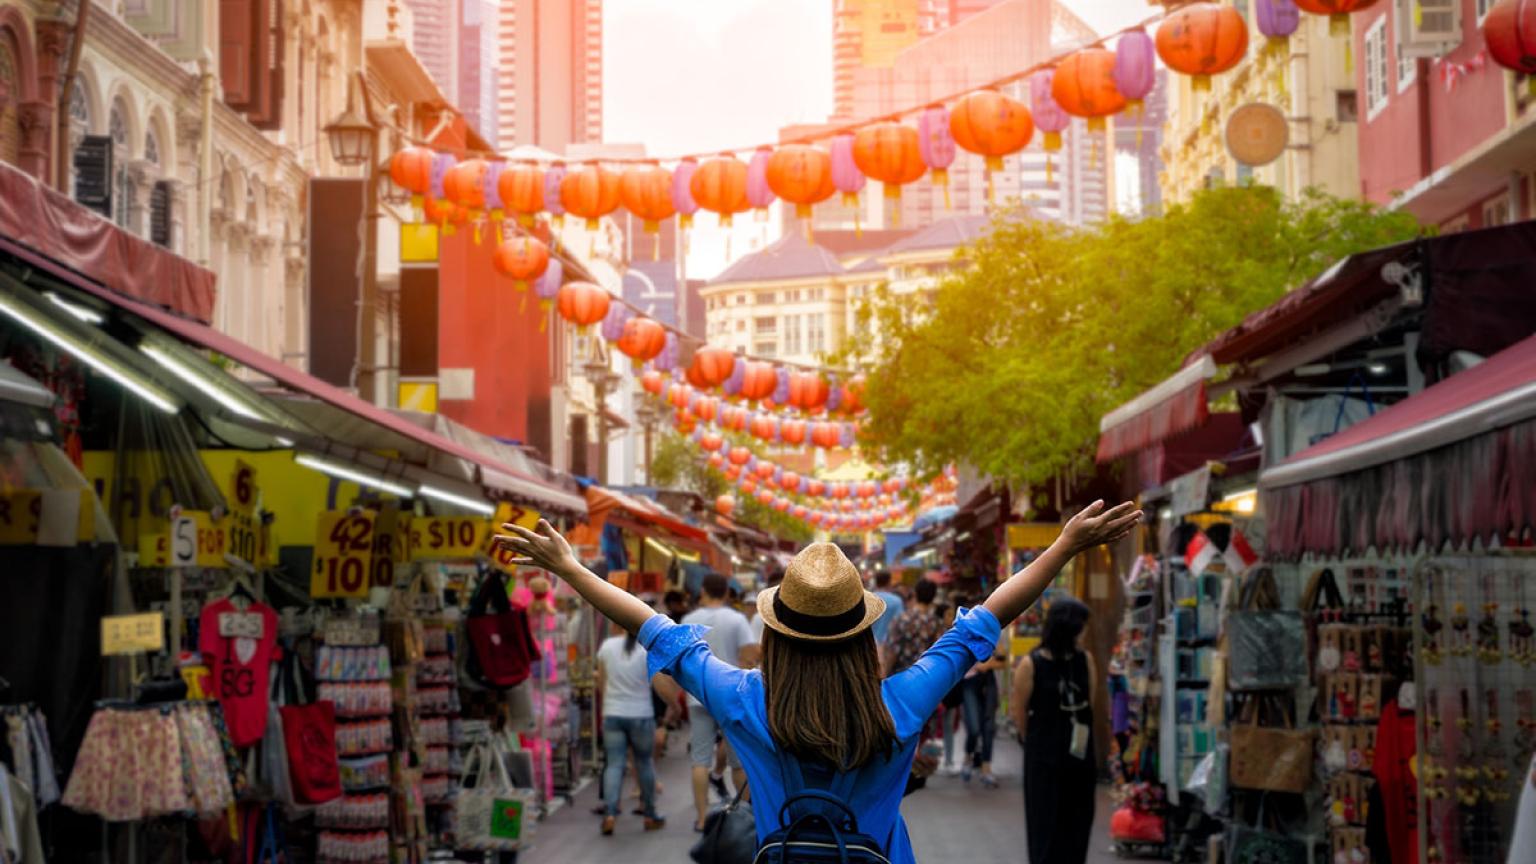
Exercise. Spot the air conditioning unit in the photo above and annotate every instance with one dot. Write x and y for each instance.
(1427, 28)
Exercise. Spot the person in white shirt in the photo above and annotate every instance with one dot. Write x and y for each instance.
(629, 724)
(730, 640)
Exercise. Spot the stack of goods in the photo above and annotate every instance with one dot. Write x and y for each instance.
(353, 671)
(437, 690)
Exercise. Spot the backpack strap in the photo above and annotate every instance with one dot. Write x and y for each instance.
(797, 789)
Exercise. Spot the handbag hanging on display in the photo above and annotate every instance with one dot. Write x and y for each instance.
(492, 815)
(730, 835)
(501, 646)
(1276, 758)
(309, 736)
(1249, 844)
(1266, 645)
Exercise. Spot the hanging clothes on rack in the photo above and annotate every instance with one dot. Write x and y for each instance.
(27, 751)
(141, 762)
(20, 841)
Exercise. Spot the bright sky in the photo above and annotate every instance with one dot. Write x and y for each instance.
(691, 75)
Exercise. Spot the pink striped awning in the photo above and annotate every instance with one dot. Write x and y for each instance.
(1176, 405)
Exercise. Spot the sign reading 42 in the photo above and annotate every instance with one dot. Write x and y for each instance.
(343, 554)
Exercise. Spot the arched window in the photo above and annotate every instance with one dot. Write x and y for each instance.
(123, 186)
(79, 124)
(10, 92)
(152, 147)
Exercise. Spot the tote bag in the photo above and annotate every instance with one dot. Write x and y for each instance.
(1267, 646)
(493, 816)
(501, 643)
(309, 736)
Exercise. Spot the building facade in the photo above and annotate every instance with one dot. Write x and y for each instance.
(1445, 132)
(549, 73)
(478, 33)
(1309, 77)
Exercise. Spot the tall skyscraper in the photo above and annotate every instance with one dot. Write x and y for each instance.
(435, 42)
(549, 81)
(868, 34)
(477, 66)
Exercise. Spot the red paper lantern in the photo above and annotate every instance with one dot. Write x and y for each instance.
(732, 472)
(734, 418)
(799, 511)
(762, 426)
(815, 488)
(765, 469)
(839, 490)
(646, 191)
(411, 170)
(890, 153)
(867, 489)
(1201, 40)
(438, 211)
(464, 185)
(706, 408)
(789, 481)
(758, 380)
(792, 431)
(802, 175)
(523, 259)
(781, 504)
(653, 382)
(711, 442)
(1338, 12)
(740, 455)
(521, 187)
(825, 435)
(716, 460)
(747, 484)
(1084, 86)
(808, 390)
(893, 485)
(590, 192)
(720, 186)
(853, 395)
(764, 497)
(712, 365)
(725, 504)
(677, 395)
(992, 125)
(642, 339)
(582, 303)
(1510, 31)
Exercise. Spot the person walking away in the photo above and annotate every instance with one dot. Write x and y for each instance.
(894, 606)
(818, 717)
(979, 697)
(915, 630)
(730, 639)
(774, 577)
(1052, 707)
(629, 725)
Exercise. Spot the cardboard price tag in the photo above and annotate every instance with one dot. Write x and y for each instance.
(438, 537)
(133, 634)
(343, 554)
(233, 625)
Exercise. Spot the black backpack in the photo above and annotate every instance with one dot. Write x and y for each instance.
(826, 831)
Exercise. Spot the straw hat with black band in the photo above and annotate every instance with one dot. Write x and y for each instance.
(822, 598)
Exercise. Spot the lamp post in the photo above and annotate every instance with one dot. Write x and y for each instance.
(354, 139)
(649, 413)
(603, 379)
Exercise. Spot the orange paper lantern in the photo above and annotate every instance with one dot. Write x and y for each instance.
(521, 187)
(411, 170)
(758, 380)
(792, 431)
(991, 125)
(720, 186)
(1338, 12)
(740, 455)
(642, 339)
(590, 192)
(437, 211)
(646, 191)
(724, 505)
(582, 303)
(808, 390)
(889, 152)
(712, 365)
(1201, 40)
(523, 259)
(1084, 86)
(802, 175)
(711, 442)
(464, 185)
(653, 382)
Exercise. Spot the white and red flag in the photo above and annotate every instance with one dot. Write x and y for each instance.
(1199, 554)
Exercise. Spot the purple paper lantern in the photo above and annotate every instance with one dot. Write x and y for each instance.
(1134, 71)
(846, 175)
(845, 435)
(936, 145)
(547, 286)
(666, 361)
(492, 191)
(1049, 116)
(682, 192)
(441, 162)
(834, 394)
(552, 177)
(1277, 19)
(758, 193)
(613, 323)
(781, 392)
(731, 386)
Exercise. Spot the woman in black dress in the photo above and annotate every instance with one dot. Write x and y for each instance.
(1051, 706)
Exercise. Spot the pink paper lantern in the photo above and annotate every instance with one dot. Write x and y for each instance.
(491, 191)
(846, 175)
(936, 145)
(553, 175)
(1049, 117)
(682, 193)
(1277, 19)
(1134, 72)
(758, 193)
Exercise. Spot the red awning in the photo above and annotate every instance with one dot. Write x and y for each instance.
(637, 511)
(493, 473)
(1443, 465)
(54, 233)
(1176, 405)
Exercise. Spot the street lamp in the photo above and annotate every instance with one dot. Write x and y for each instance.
(353, 137)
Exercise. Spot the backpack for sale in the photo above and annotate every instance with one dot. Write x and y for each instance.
(825, 831)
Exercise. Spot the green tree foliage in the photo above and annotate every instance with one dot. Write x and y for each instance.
(1010, 363)
(677, 464)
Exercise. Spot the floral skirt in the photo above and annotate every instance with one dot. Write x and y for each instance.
(140, 763)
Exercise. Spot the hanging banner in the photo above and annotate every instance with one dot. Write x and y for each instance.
(133, 634)
(343, 554)
(439, 537)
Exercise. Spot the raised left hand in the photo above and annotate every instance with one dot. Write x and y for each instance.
(543, 548)
(1095, 525)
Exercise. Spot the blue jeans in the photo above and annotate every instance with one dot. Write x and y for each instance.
(621, 734)
(980, 694)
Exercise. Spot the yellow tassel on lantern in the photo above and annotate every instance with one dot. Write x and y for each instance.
(941, 178)
(418, 204)
(544, 307)
(1338, 25)
(1200, 83)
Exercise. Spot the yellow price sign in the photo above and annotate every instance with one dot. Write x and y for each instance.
(155, 549)
(243, 536)
(506, 512)
(243, 491)
(391, 544)
(32, 516)
(133, 634)
(439, 537)
(343, 554)
(196, 541)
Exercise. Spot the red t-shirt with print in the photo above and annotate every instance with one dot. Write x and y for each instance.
(240, 667)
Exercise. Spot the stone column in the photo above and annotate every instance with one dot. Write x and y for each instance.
(53, 37)
(144, 174)
(296, 310)
(264, 297)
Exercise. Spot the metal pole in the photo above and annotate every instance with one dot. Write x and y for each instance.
(367, 308)
(61, 153)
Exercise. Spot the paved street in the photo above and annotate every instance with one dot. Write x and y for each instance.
(948, 821)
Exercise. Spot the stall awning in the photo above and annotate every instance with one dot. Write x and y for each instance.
(1176, 405)
(494, 474)
(53, 233)
(639, 512)
(1441, 465)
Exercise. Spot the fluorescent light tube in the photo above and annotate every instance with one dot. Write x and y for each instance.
(148, 392)
(89, 316)
(202, 383)
(476, 505)
(356, 475)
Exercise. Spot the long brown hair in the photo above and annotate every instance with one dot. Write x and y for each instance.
(824, 702)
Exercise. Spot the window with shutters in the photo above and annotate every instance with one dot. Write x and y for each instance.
(237, 25)
(1496, 212)
(10, 91)
(1375, 68)
(124, 189)
(1407, 65)
(1483, 8)
(160, 213)
(79, 126)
